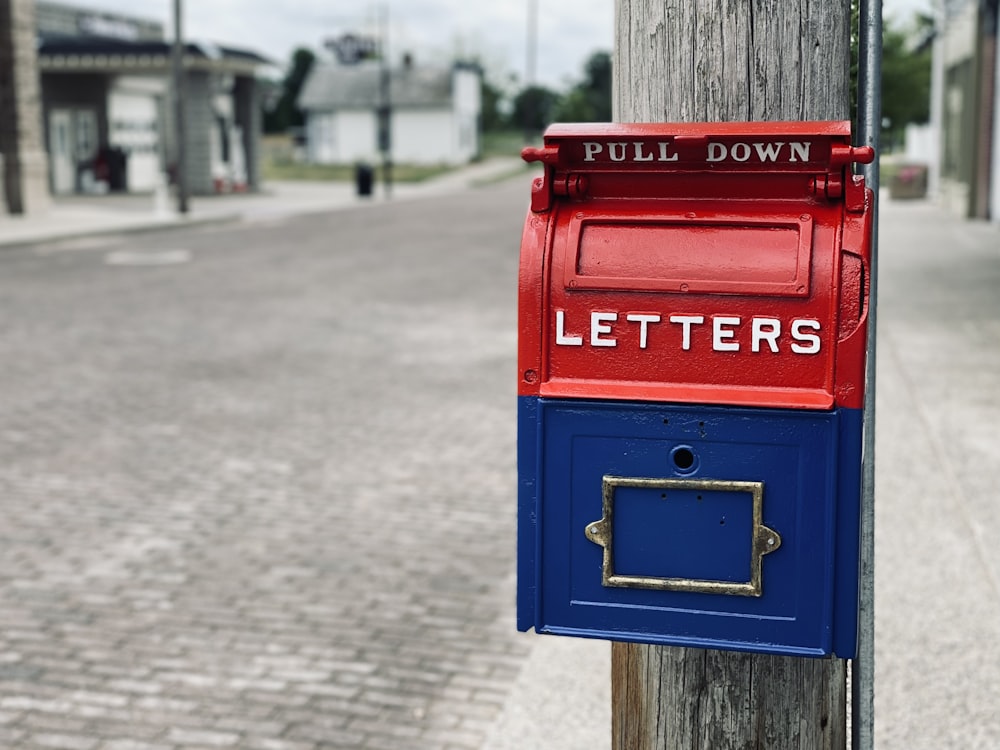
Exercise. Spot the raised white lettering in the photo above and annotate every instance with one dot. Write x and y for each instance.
(768, 151)
(663, 152)
(686, 322)
(643, 321)
(808, 342)
(764, 329)
(728, 332)
(561, 338)
(740, 151)
(721, 336)
(799, 151)
(640, 155)
(717, 151)
(597, 327)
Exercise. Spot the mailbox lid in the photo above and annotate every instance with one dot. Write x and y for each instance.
(685, 303)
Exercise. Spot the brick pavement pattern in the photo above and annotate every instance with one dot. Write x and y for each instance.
(264, 498)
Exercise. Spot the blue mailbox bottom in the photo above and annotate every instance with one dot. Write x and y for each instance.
(711, 527)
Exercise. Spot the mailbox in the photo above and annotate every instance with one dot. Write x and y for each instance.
(691, 361)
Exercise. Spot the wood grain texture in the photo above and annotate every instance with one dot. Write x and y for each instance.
(726, 60)
(675, 698)
(695, 60)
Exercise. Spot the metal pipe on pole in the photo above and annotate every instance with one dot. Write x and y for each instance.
(869, 127)
(180, 168)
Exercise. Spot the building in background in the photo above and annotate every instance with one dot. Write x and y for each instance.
(965, 108)
(434, 113)
(107, 105)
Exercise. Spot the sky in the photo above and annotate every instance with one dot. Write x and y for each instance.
(433, 31)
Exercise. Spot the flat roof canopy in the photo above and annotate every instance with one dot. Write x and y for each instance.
(109, 55)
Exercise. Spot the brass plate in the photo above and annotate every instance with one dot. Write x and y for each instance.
(764, 540)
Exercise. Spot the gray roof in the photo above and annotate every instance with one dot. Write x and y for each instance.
(331, 86)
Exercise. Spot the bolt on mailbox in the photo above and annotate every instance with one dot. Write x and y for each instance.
(692, 330)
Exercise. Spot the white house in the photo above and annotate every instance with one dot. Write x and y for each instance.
(434, 113)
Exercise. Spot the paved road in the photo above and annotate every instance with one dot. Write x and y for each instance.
(257, 482)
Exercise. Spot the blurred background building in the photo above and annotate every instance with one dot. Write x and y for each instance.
(962, 142)
(107, 107)
(433, 113)
(103, 104)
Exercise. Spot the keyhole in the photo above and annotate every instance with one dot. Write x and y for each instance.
(683, 459)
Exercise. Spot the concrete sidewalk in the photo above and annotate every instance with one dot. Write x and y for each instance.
(938, 472)
(938, 512)
(76, 217)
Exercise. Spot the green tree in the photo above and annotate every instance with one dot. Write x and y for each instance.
(589, 100)
(906, 78)
(533, 108)
(906, 74)
(286, 113)
(492, 115)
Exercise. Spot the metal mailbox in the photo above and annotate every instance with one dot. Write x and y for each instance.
(691, 357)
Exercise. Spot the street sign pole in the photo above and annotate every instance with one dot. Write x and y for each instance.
(384, 111)
(180, 169)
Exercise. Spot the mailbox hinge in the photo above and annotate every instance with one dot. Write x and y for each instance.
(840, 182)
(544, 188)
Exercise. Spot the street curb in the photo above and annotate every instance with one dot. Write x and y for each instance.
(127, 229)
(44, 234)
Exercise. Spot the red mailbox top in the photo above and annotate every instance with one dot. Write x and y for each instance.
(709, 263)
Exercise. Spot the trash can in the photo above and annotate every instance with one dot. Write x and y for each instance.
(363, 178)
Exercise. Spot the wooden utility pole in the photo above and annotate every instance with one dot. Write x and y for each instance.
(725, 60)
